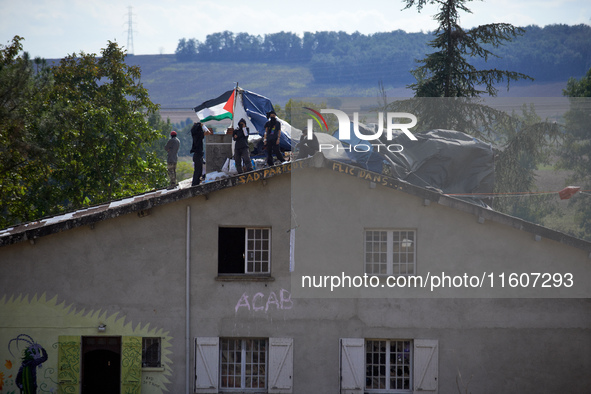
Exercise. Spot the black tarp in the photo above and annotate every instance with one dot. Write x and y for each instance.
(450, 161)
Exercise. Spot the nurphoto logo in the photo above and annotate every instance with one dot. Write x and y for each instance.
(345, 130)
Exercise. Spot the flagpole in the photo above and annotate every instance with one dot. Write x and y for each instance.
(234, 106)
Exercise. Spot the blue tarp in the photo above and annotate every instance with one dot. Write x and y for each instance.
(257, 107)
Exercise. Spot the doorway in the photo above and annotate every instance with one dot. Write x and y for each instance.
(101, 365)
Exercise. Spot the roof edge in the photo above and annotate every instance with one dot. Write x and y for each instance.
(139, 203)
(435, 195)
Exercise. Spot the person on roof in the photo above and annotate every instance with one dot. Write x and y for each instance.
(197, 132)
(172, 148)
(241, 153)
(272, 138)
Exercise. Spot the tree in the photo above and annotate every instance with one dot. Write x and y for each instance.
(165, 127)
(23, 87)
(103, 132)
(575, 154)
(524, 149)
(86, 138)
(447, 72)
(447, 95)
(187, 50)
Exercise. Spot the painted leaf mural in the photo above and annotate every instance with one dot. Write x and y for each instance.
(57, 328)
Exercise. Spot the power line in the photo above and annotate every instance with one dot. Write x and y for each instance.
(130, 49)
(564, 194)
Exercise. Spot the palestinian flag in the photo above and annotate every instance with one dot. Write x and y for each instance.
(216, 109)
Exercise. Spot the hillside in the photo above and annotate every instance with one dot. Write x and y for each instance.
(180, 86)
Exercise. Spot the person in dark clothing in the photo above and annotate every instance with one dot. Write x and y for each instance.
(241, 153)
(197, 133)
(272, 138)
(307, 147)
(172, 147)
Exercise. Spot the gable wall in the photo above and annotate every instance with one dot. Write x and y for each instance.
(136, 267)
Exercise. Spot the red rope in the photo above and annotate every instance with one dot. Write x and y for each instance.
(567, 192)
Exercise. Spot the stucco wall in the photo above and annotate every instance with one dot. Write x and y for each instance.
(338, 207)
(135, 267)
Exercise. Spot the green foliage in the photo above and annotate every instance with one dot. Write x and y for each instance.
(526, 141)
(102, 129)
(447, 95)
(184, 170)
(551, 53)
(164, 127)
(24, 85)
(82, 139)
(576, 151)
(447, 71)
(579, 88)
(184, 135)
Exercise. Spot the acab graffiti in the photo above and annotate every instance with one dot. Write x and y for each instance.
(259, 302)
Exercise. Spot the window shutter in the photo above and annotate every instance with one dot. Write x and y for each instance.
(352, 365)
(207, 354)
(280, 365)
(68, 363)
(426, 355)
(131, 364)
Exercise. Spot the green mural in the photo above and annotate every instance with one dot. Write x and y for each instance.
(68, 359)
(131, 365)
(29, 326)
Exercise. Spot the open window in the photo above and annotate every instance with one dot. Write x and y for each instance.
(244, 250)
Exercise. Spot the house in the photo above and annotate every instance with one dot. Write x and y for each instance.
(309, 277)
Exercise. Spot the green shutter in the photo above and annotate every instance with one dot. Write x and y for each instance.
(131, 365)
(68, 364)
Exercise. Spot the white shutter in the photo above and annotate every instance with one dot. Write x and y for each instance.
(426, 354)
(352, 365)
(280, 365)
(207, 354)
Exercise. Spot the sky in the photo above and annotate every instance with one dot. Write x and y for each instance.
(57, 28)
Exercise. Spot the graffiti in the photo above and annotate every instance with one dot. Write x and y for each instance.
(62, 370)
(150, 381)
(33, 357)
(44, 386)
(363, 174)
(257, 302)
(131, 364)
(269, 172)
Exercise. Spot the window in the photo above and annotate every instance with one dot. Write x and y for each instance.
(390, 252)
(151, 352)
(244, 250)
(388, 365)
(257, 365)
(243, 363)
